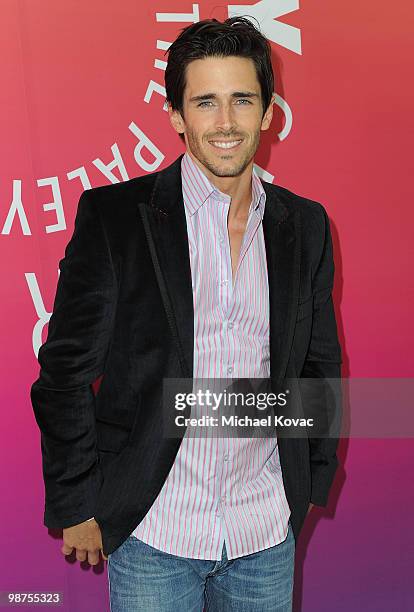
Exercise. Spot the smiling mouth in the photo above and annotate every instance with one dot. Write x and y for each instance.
(225, 144)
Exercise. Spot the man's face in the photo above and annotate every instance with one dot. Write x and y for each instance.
(222, 114)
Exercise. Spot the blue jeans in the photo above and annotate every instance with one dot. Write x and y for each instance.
(145, 579)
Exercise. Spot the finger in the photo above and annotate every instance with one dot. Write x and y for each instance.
(66, 550)
(93, 557)
(81, 554)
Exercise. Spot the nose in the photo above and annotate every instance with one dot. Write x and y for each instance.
(225, 119)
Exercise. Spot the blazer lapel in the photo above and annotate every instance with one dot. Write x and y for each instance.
(166, 230)
(281, 228)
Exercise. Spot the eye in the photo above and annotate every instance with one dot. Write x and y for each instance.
(205, 102)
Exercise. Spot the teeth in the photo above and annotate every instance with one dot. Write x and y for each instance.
(225, 145)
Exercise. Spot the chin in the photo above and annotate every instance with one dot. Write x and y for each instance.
(227, 171)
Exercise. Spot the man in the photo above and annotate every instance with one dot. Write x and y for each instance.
(200, 270)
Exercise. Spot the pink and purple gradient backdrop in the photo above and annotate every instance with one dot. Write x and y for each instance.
(74, 76)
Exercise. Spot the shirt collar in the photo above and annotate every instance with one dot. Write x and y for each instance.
(197, 188)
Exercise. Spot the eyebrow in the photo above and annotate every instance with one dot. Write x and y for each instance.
(235, 94)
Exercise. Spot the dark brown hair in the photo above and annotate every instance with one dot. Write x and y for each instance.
(236, 36)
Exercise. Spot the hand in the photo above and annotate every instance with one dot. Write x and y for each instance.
(86, 539)
(309, 508)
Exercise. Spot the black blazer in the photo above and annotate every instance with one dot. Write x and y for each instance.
(124, 309)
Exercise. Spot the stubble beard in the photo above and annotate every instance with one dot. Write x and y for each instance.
(235, 167)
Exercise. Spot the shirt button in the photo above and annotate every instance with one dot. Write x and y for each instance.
(229, 370)
(230, 325)
(224, 282)
(226, 457)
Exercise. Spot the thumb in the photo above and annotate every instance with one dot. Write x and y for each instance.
(104, 556)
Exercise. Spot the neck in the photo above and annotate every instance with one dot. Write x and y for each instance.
(239, 188)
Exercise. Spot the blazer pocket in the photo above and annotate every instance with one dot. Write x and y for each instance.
(111, 437)
(114, 436)
(305, 308)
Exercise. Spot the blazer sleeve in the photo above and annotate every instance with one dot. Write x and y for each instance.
(71, 359)
(323, 361)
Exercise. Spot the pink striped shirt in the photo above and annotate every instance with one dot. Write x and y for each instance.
(222, 489)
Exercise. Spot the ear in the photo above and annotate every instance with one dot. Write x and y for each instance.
(267, 117)
(176, 120)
